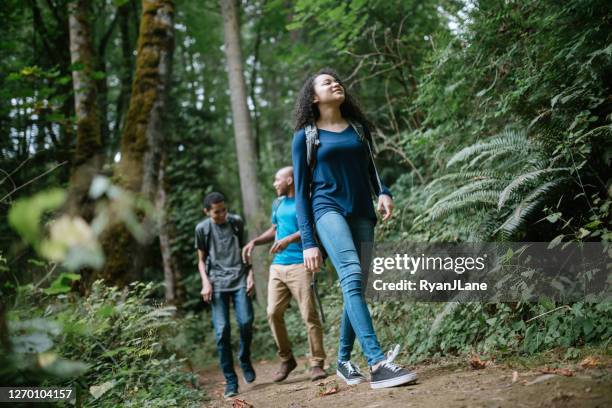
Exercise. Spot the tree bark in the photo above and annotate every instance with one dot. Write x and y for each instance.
(127, 66)
(172, 277)
(245, 145)
(142, 137)
(87, 157)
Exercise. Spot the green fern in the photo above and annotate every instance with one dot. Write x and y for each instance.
(508, 176)
(526, 208)
(481, 198)
(507, 142)
(523, 179)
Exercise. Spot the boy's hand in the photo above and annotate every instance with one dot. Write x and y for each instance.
(246, 252)
(250, 284)
(207, 291)
(279, 246)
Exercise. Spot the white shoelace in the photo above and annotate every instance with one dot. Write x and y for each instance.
(352, 369)
(391, 354)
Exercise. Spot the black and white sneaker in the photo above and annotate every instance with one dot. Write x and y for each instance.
(388, 374)
(350, 373)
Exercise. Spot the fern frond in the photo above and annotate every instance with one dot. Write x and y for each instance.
(535, 200)
(506, 141)
(476, 185)
(463, 176)
(519, 216)
(521, 180)
(476, 198)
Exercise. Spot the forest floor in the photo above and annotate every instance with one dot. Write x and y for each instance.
(449, 384)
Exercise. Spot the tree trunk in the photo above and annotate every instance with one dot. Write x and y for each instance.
(88, 154)
(127, 66)
(142, 137)
(245, 146)
(172, 277)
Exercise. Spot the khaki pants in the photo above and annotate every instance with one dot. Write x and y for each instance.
(293, 280)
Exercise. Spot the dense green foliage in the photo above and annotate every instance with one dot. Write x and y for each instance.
(116, 347)
(539, 71)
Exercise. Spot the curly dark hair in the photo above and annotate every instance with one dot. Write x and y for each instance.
(305, 111)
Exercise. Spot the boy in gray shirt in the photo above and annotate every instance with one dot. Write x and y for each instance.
(218, 240)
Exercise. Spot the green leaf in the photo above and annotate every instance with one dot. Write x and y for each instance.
(25, 215)
(295, 25)
(63, 283)
(593, 224)
(105, 311)
(556, 241)
(583, 233)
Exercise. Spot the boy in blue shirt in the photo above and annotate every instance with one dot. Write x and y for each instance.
(289, 277)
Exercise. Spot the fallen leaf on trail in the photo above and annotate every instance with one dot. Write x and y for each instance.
(560, 371)
(590, 362)
(476, 363)
(240, 403)
(328, 388)
(540, 379)
(515, 376)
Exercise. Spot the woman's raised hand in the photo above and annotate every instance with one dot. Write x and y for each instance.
(313, 259)
(385, 206)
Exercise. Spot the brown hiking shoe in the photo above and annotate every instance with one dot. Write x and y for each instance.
(317, 373)
(285, 368)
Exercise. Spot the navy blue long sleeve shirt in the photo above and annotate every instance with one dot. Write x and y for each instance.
(343, 179)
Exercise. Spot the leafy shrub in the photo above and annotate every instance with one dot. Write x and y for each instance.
(113, 344)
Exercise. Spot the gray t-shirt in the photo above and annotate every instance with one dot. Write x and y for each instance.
(223, 253)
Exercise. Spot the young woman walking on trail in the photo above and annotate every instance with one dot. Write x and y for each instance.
(334, 177)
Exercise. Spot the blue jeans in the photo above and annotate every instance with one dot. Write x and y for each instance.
(349, 241)
(221, 321)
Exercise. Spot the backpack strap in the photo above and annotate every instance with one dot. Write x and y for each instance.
(359, 129)
(364, 135)
(237, 226)
(275, 204)
(312, 143)
(207, 233)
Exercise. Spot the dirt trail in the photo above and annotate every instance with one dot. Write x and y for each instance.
(451, 385)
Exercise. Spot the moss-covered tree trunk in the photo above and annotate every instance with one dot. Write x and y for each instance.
(142, 137)
(88, 154)
(245, 144)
